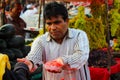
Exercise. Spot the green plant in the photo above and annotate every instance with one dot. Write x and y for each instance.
(92, 26)
(114, 20)
(117, 4)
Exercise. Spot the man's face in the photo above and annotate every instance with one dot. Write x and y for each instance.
(7, 1)
(16, 10)
(57, 27)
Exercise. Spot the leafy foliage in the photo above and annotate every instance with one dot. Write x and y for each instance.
(114, 19)
(117, 4)
(96, 8)
(92, 26)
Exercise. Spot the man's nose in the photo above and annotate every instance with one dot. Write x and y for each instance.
(53, 26)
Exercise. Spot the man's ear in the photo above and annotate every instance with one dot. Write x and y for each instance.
(46, 27)
(67, 20)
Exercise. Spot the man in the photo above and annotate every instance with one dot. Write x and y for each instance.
(62, 50)
(13, 17)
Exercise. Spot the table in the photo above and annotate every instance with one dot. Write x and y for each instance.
(32, 31)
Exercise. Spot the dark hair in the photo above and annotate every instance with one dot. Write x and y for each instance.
(54, 9)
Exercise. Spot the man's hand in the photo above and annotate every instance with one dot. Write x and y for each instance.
(27, 62)
(54, 66)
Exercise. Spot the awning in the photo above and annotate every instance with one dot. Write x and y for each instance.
(110, 2)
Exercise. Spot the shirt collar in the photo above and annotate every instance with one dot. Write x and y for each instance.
(48, 37)
(69, 35)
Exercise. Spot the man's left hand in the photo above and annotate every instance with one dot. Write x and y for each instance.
(54, 66)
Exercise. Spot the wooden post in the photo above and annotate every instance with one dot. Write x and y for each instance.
(39, 19)
(2, 10)
(44, 28)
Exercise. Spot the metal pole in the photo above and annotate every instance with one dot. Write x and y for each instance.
(39, 19)
(108, 36)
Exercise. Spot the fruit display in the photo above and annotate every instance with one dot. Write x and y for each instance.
(3, 44)
(16, 41)
(11, 44)
(7, 31)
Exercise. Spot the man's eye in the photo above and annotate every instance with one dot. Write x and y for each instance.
(57, 22)
(48, 23)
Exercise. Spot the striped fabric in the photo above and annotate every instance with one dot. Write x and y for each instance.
(74, 50)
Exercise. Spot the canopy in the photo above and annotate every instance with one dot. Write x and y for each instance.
(110, 2)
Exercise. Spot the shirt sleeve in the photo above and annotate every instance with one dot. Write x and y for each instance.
(35, 53)
(80, 54)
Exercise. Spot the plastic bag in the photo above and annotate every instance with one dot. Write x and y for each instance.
(53, 66)
(63, 75)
